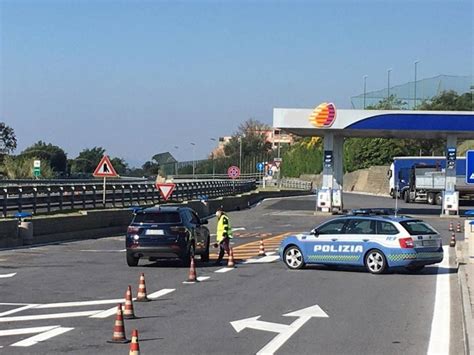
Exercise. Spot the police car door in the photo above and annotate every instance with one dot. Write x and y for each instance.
(318, 246)
(358, 234)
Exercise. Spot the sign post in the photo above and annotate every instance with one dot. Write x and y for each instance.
(233, 172)
(104, 169)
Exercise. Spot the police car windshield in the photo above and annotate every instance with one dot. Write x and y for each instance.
(160, 217)
(417, 227)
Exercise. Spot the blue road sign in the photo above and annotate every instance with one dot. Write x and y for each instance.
(470, 166)
(260, 166)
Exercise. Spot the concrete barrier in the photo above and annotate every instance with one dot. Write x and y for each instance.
(9, 236)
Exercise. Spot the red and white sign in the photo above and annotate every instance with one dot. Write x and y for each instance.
(105, 168)
(233, 172)
(166, 189)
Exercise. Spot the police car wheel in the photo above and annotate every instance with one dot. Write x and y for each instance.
(293, 258)
(375, 262)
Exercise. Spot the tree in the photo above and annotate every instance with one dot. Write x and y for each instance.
(251, 137)
(87, 160)
(21, 167)
(52, 154)
(7, 139)
(303, 157)
(389, 103)
(449, 101)
(119, 165)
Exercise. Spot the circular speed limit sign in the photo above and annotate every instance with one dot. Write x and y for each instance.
(233, 172)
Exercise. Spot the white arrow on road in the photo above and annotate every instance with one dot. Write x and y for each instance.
(4, 276)
(284, 331)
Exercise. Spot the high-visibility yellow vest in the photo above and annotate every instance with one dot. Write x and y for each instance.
(223, 228)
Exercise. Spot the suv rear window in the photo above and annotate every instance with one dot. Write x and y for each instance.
(417, 228)
(157, 217)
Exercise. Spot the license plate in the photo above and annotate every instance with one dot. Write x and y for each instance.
(430, 243)
(154, 232)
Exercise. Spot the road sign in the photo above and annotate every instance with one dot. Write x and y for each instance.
(284, 331)
(105, 168)
(166, 189)
(470, 166)
(450, 158)
(260, 166)
(37, 168)
(233, 172)
(277, 163)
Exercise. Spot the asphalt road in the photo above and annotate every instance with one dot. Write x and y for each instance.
(363, 313)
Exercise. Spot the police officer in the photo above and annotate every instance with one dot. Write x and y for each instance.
(224, 234)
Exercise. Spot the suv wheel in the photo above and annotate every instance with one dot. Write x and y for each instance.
(131, 260)
(375, 262)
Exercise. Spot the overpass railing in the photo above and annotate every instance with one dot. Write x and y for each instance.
(41, 197)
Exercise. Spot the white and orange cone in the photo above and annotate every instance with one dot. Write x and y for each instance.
(230, 261)
(134, 345)
(192, 277)
(458, 227)
(450, 226)
(452, 243)
(128, 312)
(261, 251)
(141, 295)
(119, 328)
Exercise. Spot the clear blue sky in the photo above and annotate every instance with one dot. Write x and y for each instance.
(139, 77)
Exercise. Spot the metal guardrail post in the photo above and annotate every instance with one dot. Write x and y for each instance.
(130, 195)
(123, 195)
(48, 193)
(61, 196)
(20, 195)
(146, 194)
(35, 195)
(5, 206)
(73, 196)
(138, 194)
(94, 196)
(152, 194)
(113, 195)
(84, 191)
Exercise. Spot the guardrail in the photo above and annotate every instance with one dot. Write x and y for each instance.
(296, 184)
(40, 197)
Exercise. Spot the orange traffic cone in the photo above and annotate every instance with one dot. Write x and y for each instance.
(128, 312)
(458, 227)
(134, 346)
(451, 226)
(230, 262)
(141, 295)
(119, 328)
(192, 271)
(452, 243)
(261, 251)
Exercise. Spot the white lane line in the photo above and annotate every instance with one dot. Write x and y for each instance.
(153, 296)
(199, 278)
(160, 293)
(42, 337)
(49, 316)
(265, 259)
(14, 304)
(16, 310)
(440, 326)
(4, 333)
(79, 303)
(5, 276)
(224, 270)
(238, 229)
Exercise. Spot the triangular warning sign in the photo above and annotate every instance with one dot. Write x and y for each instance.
(105, 168)
(166, 189)
(472, 176)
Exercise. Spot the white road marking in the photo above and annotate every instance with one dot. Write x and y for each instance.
(153, 296)
(5, 276)
(16, 310)
(265, 259)
(79, 303)
(160, 293)
(199, 278)
(440, 326)
(224, 270)
(238, 229)
(21, 331)
(49, 316)
(42, 337)
(284, 331)
(14, 304)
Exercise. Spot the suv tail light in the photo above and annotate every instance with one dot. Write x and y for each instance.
(133, 230)
(406, 243)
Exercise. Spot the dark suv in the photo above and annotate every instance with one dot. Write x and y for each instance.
(166, 232)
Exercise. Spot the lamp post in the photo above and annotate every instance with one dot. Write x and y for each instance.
(240, 154)
(194, 160)
(388, 82)
(365, 88)
(213, 162)
(416, 63)
(176, 164)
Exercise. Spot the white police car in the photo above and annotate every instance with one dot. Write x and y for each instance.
(376, 242)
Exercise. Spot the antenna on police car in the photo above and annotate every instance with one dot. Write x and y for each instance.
(396, 199)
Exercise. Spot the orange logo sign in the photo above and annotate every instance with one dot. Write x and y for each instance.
(323, 115)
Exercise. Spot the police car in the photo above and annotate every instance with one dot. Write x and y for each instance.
(374, 241)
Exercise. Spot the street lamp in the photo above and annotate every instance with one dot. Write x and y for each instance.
(176, 164)
(416, 63)
(213, 162)
(240, 154)
(365, 88)
(194, 160)
(388, 82)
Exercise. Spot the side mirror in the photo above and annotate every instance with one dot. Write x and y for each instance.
(204, 221)
(315, 232)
